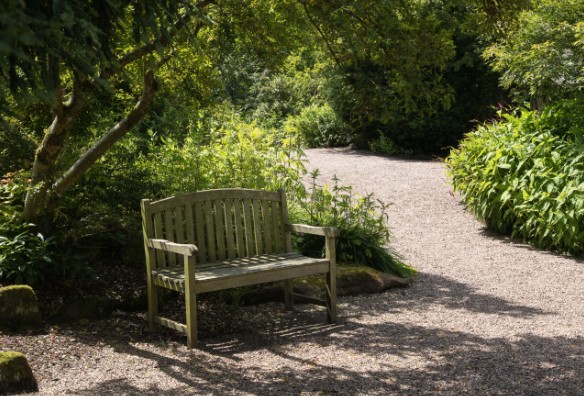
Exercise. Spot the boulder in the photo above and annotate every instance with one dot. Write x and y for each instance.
(19, 308)
(351, 280)
(15, 374)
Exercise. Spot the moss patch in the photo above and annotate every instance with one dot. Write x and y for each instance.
(16, 374)
(351, 280)
(18, 307)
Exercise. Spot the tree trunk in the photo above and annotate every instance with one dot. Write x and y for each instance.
(44, 190)
(39, 196)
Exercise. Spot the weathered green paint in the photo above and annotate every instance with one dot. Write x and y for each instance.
(230, 242)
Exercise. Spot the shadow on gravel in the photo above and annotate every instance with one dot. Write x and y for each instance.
(447, 292)
(405, 359)
(506, 240)
(348, 152)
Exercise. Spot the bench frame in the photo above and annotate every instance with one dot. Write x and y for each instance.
(221, 239)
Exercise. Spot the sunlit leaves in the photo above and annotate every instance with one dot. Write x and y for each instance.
(543, 54)
(525, 176)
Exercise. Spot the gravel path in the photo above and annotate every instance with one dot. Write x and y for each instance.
(485, 316)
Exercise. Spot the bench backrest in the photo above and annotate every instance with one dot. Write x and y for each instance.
(223, 224)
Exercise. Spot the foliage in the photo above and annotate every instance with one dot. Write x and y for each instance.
(385, 145)
(361, 222)
(23, 258)
(232, 153)
(16, 147)
(525, 175)
(24, 253)
(319, 126)
(542, 55)
(456, 86)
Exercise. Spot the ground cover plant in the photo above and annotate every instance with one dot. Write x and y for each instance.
(361, 220)
(524, 175)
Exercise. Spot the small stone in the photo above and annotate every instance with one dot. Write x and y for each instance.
(18, 308)
(15, 374)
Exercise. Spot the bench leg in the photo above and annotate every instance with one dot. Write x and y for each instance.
(331, 280)
(191, 302)
(191, 305)
(288, 294)
(152, 304)
(331, 297)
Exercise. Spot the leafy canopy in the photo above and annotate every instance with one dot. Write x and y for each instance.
(542, 55)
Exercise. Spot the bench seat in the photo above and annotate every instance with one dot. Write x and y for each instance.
(220, 239)
(241, 272)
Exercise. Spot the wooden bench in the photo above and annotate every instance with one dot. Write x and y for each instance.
(220, 239)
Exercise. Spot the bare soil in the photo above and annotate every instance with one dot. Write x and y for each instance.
(486, 315)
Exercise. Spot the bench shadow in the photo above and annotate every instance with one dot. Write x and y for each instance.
(404, 358)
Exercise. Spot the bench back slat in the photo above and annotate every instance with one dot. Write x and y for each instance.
(223, 224)
(200, 240)
(169, 233)
(229, 230)
(238, 228)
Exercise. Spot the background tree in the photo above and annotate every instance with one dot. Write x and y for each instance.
(59, 53)
(542, 54)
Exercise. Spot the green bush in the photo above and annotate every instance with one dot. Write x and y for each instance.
(234, 153)
(361, 222)
(24, 253)
(319, 126)
(524, 176)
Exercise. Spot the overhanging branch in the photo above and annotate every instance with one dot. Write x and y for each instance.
(322, 35)
(148, 48)
(113, 135)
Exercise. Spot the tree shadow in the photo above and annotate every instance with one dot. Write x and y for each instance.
(359, 153)
(451, 294)
(403, 359)
(516, 243)
(394, 358)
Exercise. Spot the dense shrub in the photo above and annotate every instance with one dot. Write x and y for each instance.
(25, 255)
(525, 175)
(319, 126)
(364, 233)
(234, 153)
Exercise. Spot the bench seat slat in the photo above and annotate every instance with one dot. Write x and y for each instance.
(242, 272)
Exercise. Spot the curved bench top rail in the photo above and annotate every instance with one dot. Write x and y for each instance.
(226, 193)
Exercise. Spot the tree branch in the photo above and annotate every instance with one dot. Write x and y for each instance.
(152, 45)
(322, 35)
(113, 135)
(52, 144)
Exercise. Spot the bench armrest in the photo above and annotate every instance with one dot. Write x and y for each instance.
(173, 247)
(314, 230)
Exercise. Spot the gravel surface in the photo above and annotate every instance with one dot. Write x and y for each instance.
(485, 316)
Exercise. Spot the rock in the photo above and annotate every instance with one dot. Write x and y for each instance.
(19, 308)
(351, 280)
(15, 374)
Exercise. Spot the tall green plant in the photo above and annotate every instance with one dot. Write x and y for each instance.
(234, 153)
(524, 176)
(362, 222)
